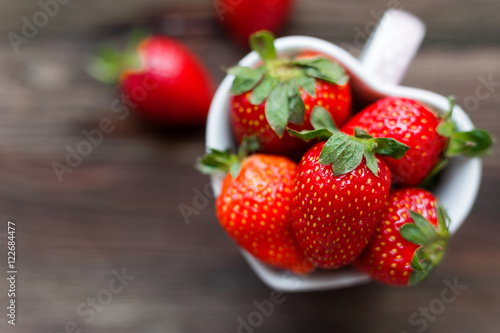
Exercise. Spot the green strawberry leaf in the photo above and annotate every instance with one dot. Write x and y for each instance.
(307, 83)
(312, 72)
(473, 143)
(323, 69)
(262, 42)
(416, 265)
(263, 89)
(359, 133)
(390, 147)
(295, 104)
(216, 161)
(322, 134)
(421, 266)
(109, 63)
(443, 219)
(371, 160)
(416, 277)
(446, 128)
(322, 119)
(412, 233)
(245, 79)
(342, 153)
(234, 169)
(423, 225)
(451, 101)
(224, 161)
(277, 112)
(423, 258)
(322, 123)
(380, 146)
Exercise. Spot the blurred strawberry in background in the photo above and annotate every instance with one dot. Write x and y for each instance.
(241, 18)
(160, 78)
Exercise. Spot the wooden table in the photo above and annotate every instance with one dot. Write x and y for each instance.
(118, 210)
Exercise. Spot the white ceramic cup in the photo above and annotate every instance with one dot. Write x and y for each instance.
(370, 81)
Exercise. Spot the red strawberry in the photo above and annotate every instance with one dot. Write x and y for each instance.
(417, 126)
(241, 18)
(254, 207)
(409, 241)
(283, 92)
(163, 80)
(340, 195)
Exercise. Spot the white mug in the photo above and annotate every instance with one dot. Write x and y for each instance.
(376, 74)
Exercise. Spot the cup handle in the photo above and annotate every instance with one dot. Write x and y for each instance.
(392, 45)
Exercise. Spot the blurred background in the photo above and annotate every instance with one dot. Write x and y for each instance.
(117, 213)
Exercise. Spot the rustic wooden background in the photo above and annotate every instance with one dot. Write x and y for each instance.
(119, 208)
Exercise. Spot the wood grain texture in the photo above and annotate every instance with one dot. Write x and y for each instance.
(120, 207)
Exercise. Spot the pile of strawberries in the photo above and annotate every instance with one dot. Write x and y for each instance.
(355, 197)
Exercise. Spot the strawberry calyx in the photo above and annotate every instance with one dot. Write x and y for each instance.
(345, 152)
(474, 143)
(109, 62)
(277, 81)
(432, 243)
(216, 161)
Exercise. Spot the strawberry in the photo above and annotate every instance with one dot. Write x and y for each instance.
(340, 193)
(254, 206)
(283, 92)
(161, 79)
(409, 241)
(417, 126)
(241, 18)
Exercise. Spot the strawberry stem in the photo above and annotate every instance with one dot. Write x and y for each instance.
(262, 42)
